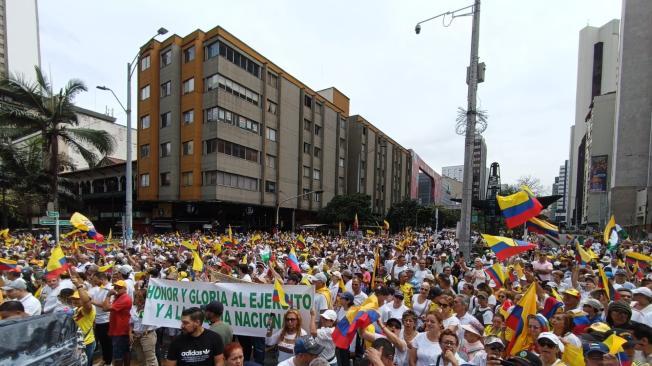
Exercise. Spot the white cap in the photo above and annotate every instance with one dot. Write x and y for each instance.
(643, 291)
(553, 338)
(472, 329)
(329, 315)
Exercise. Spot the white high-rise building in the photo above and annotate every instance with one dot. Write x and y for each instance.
(19, 37)
(597, 73)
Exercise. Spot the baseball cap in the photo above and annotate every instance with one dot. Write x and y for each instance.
(336, 274)
(398, 294)
(120, 283)
(553, 338)
(643, 291)
(215, 307)
(494, 340)
(596, 347)
(126, 269)
(620, 271)
(307, 345)
(572, 292)
(523, 358)
(599, 327)
(347, 296)
(17, 284)
(328, 315)
(594, 304)
(75, 295)
(320, 277)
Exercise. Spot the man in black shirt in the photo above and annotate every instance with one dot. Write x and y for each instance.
(196, 346)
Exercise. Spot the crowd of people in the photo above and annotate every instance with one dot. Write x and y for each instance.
(434, 305)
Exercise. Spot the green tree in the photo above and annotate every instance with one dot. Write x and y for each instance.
(343, 209)
(52, 115)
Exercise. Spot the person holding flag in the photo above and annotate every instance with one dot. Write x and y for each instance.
(284, 339)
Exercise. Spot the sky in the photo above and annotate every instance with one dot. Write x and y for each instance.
(409, 86)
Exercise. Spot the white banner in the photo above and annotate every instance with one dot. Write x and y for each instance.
(247, 307)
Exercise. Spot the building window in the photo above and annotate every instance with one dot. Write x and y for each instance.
(189, 117)
(189, 54)
(270, 187)
(186, 178)
(144, 180)
(306, 148)
(341, 183)
(306, 171)
(270, 161)
(319, 108)
(316, 174)
(216, 177)
(307, 125)
(166, 89)
(272, 80)
(238, 151)
(209, 178)
(188, 147)
(188, 85)
(239, 60)
(317, 130)
(306, 196)
(166, 149)
(144, 122)
(212, 50)
(211, 82)
(166, 119)
(307, 101)
(222, 115)
(232, 87)
(145, 63)
(364, 131)
(271, 134)
(317, 196)
(144, 151)
(144, 92)
(166, 58)
(271, 107)
(341, 164)
(317, 152)
(211, 146)
(165, 179)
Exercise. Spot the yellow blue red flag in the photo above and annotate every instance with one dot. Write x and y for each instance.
(518, 208)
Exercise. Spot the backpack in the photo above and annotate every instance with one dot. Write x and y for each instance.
(479, 315)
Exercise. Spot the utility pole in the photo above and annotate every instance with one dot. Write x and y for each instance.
(467, 180)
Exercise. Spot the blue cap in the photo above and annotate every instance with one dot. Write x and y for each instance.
(347, 296)
(596, 347)
(307, 345)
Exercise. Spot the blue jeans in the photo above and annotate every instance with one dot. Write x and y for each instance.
(90, 348)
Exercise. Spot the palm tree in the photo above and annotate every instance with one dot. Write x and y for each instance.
(53, 116)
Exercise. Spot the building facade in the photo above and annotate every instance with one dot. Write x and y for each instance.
(454, 171)
(480, 171)
(597, 72)
(377, 165)
(19, 37)
(227, 132)
(631, 175)
(450, 189)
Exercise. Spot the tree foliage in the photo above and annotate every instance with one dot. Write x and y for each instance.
(343, 209)
(408, 213)
(533, 183)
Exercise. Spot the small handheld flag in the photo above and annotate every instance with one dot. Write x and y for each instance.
(279, 296)
(518, 208)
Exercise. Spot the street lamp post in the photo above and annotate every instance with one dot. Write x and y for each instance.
(278, 205)
(472, 81)
(128, 222)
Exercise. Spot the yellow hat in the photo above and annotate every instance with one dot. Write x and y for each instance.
(183, 274)
(572, 292)
(600, 327)
(75, 295)
(120, 283)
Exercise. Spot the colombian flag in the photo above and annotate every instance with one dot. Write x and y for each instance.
(518, 208)
(550, 307)
(642, 260)
(506, 247)
(357, 317)
(279, 295)
(300, 242)
(293, 262)
(582, 255)
(542, 227)
(7, 264)
(497, 274)
(606, 285)
(57, 263)
(516, 331)
(580, 322)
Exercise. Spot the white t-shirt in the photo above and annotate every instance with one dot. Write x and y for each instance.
(320, 303)
(487, 315)
(286, 345)
(398, 270)
(427, 351)
(420, 309)
(325, 338)
(419, 275)
(388, 311)
(98, 294)
(288, 362)
(50, 294)
(358, 299)
(451, 322)
(31, 304)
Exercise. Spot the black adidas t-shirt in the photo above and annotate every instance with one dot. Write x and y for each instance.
(196, 351)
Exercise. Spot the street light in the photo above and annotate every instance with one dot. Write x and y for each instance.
(131, 66)
(472, 81)
(278, 205)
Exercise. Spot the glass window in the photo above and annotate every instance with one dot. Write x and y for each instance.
(144, 180)
(211, 114)
(144, 92)
(317, 152)
(271, 107)
(211, 146)
(166, 58)
(220, 115)
(306, 196)
(188, 147)
(306, 148)
(270, 187)
(189, 54)
(212, 50)
(166, 119)
(341, 163)
(343, 123)
(145, 63)
(271, 134)
(272, 80)
(165, 179)
(188, 85)
(270, 161)
(166, 149)
(144, 150)
(188, 116)
(306, 171)
(166, 89)
(317, 197)
(212, 82)
(317, 130)
(316, 174)
(307, 101)
(144, 122)
(186, 178)
(318, 108)
(307, 125)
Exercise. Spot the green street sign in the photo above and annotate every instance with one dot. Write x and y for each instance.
(52, 222)
(52, 214)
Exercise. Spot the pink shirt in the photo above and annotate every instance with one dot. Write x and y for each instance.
(543, 266)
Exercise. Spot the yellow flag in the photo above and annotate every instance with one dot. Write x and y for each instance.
(607, 229)
(105, 268)
(197, 264)
(244, 259)
(217, 247)
(188, 244)
(572, 355)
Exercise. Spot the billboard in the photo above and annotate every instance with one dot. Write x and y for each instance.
(598, 174)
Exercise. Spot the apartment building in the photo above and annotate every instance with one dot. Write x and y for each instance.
(226, 134)
(377, 165)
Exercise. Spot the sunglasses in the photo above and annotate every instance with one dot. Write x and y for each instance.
(443, 305)
(546, 343)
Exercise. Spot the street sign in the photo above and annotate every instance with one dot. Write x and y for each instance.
(52, 222)
(52, 214)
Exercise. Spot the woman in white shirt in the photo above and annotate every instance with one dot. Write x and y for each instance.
(449, 320)
(285, 337)
(421, 304)
(425, 346)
